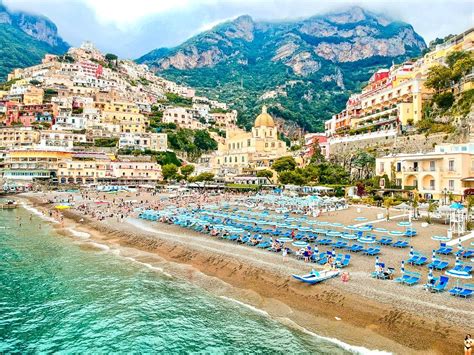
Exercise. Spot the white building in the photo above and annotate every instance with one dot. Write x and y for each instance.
(141, 141)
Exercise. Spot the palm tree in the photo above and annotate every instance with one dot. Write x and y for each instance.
(432, 207)
(387, 203)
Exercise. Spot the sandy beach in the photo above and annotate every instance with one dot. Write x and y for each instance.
(364, 312)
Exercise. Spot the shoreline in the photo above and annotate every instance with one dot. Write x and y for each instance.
(259, 280)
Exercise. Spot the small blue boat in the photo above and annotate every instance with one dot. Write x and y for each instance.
(315, 277)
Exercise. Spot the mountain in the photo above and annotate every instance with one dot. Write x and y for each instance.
(25, 38)
(305, 69)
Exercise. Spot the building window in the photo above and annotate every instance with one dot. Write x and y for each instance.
(432, 184)
(451, 185)
(451, 165)
(432, 165)
(382, 167)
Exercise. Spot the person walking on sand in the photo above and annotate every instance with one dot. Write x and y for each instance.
(468, 345)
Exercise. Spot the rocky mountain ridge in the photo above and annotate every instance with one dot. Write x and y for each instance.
(322, 50)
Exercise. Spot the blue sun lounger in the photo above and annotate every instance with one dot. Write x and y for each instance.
(400, 244)
(340, 245)
(421, 261)
(325, 241)
(455, 291)
(402, 278)
(466, 291)
(438, 264)
(413, 280)
(443, 249)
(413, 259)
(355, 248)
(345, 261)
(385, 241)
(441, 285)
(371, 251)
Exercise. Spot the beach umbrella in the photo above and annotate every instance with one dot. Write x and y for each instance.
(300, 244)
(459, 244)
(363, 229)
(337, 225)
(351, 227)
(380, 230)
(402, 268)
(404, 224)
(284, 240)
(348, 236)
(333, 234)
(433, 255)
(360, 219)
(458, 274)
(412, 250)
(376, 262)
(366, 240)
(440, 238)
(396, 233)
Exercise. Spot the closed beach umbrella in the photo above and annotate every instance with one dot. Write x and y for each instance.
(430, 274)
(459, 244)
(412, 251)
(458, 260)
(402, 268)
(433, 255)
(376, 262)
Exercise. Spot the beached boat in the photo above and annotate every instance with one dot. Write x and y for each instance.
(315, 277)
(10, 204)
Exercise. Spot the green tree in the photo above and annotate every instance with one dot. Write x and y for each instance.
(462, 67)
(204, 177)
(169, 171)
(187, 170)
(203, 141)
(265, 173)
(293, 177)
(284, 164)
(439, 78)
(317, 156)
(432, 207)
(454, 57)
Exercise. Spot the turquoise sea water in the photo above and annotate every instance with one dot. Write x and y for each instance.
(58, 297)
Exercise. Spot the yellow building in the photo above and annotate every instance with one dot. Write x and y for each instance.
(18, 137)
(125, 114)
(253, 150)
(32, 165)
(448, 170)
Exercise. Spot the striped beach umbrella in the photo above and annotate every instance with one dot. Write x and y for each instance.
(300, 244)
(380, 230)
(348, 236)
(334, 234)
(440, 238)
(284, 240)
(360, 219)
(396, 233)
(458, 274)
(404, 224)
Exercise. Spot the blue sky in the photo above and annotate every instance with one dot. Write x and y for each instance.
(131, 28)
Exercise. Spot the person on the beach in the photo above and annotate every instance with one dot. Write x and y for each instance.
(468, 345)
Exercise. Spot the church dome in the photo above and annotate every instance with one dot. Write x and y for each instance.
(264, 119)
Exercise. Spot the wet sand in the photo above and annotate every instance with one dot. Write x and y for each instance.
(364, 312)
